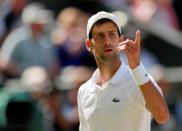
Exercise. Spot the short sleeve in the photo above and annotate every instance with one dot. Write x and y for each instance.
(83, 124)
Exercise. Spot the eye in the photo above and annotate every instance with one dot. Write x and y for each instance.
(112, 34)
(101, 36)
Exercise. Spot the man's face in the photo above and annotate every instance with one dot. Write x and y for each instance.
(37, 28)
(105, 39)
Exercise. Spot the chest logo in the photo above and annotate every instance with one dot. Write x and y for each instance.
(115, 100)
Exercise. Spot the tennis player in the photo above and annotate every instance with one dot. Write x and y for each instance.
(118, 97)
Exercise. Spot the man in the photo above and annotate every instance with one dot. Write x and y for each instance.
(33, 48)
(117, 97)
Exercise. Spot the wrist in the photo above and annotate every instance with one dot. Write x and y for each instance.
(133, 66)
(140, 74)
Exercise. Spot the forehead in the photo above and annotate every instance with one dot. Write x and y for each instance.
(105, 27)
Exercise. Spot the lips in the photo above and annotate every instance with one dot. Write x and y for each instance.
(107, 50)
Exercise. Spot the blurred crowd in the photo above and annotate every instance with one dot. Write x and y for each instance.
(43, 59)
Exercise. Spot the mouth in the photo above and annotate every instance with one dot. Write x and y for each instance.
(108, 50)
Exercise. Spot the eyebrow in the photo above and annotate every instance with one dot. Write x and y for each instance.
(103, 32)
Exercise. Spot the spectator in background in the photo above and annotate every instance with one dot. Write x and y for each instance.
(116, 4)
(177, 6)
(36, 82)
(160, 11)
(35, 49)
(69, 38)
(70, 80)
(13, 18)
(3, 11)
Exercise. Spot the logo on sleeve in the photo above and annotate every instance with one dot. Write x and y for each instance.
(115, 100)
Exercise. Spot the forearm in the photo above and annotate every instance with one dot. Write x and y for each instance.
(154, 99)
(155, 102)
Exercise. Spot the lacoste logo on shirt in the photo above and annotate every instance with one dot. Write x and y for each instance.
(115, 100)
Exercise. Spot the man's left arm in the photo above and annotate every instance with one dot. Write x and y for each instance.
(152, 94)
(155, 102)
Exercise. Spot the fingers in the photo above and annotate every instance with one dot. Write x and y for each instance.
(122, 47)
(130, 44)
(127, 44)
(138, 38)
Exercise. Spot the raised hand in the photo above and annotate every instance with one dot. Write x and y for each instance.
(132, 50)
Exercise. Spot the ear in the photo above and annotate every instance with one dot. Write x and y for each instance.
(88, 44)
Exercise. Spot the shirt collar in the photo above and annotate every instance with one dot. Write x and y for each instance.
(116, 77)
(119, 73)
(95, 76)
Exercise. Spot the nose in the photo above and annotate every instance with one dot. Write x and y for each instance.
(107, 40)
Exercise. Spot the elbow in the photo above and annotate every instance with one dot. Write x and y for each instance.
(163, 118)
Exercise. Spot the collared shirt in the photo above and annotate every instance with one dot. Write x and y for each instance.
(116, 106)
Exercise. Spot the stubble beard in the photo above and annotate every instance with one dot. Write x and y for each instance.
(106, 58)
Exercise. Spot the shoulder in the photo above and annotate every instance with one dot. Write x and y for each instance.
(20, 46)
(84, 88)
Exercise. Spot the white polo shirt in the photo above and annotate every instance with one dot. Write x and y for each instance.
(116, 106)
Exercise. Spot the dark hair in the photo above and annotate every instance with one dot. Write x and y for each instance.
(100, 22)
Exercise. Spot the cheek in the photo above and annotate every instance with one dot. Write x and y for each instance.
(97, 47)
(116, 42)
(95, 50)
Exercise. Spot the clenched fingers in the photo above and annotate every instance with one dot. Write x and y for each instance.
(127, 44)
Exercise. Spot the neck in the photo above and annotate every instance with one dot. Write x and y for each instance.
(107, 70)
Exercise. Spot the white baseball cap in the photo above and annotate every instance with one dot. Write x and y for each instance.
(100, 15)
(36, 13)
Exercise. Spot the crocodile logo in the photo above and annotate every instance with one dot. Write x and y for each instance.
(115, 100)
